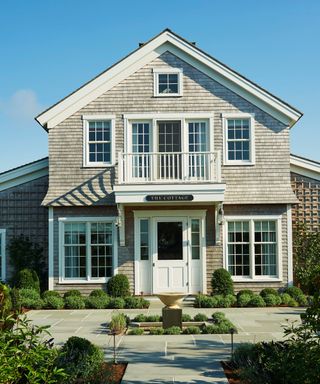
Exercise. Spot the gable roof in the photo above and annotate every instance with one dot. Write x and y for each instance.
(187, 51)
(305, 167)
(24, 173)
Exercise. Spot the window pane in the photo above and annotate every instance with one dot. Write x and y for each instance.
(238, 248)
(144, 239)
(99, 145)
(195, 239)
(265, 248)
(238, 139)
(101, 249)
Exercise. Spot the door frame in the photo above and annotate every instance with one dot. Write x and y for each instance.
(152, 215)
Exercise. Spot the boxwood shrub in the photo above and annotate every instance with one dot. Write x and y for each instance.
(118, 286)
(272, 300)
(116, 303)
(72, 292)
(141, 318)
(200, 317)
(97, 302)
(153, 318)
(245, 292)
(244, 300)
(98, 293)
(157, 331)
(52, 300)
(80, 359)
(132, 302)
(221, 282)
(136, 331)
(174, 330)
(268, 291)
(218, 317)
(203, 301)
(186, 317)
(285, 298)
(30, 298)
(257, 301)
(74, 302)
(192, 330)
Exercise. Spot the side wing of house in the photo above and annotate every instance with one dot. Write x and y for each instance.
(305, 180)
(21, 192)
(167, 170)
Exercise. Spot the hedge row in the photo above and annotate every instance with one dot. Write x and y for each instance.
(268, 297)
(98, 299)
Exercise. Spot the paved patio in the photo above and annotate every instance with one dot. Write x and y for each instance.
(168, 359)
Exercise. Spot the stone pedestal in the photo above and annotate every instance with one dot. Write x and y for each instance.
(171, 317)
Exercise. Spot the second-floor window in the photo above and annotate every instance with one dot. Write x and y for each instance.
(167, 81)
(239, 140)
(98, 145)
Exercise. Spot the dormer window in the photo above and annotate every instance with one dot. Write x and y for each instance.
(167, 81)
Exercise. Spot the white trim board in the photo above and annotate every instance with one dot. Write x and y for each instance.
(24, 174)
(305, 167)
(168, 41)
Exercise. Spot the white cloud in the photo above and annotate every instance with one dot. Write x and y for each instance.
(22, 106)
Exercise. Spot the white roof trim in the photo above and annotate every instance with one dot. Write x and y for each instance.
(24, 174)
(305, 167)
(167, 41)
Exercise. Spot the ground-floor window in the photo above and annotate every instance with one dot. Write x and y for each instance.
(87, 249)
(252, 247)
(2, 254)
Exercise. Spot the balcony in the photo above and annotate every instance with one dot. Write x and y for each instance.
(167, 168)
(169, 177)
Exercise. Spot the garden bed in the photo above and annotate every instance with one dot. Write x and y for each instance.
(231, 372)
(109, 373)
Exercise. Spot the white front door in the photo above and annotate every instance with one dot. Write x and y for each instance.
(170, 257)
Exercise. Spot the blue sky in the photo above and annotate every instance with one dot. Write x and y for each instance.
(49, 48)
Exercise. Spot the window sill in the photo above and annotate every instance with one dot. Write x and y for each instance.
(98, 165)
(77, 281)
(257, 280)
(239, 163)
(168, 95)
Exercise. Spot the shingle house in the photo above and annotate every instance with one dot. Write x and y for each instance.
(164, 167)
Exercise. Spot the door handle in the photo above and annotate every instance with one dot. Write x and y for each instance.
(153, 264)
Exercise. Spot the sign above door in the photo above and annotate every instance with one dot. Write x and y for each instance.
(169, 197)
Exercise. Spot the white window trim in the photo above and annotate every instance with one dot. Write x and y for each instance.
(184, 119)
(164, 71)
(3, 254)
(85, 150)
(225, 118)
(87, 280)
(251, 219)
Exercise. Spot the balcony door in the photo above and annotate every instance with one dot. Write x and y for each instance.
(169, 148)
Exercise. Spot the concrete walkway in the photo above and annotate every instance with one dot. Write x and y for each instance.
(168, 359)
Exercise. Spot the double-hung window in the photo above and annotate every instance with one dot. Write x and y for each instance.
(2, 254)
(167, 81)
(239, 148)
(98, 141)
(252, 248)
(87, 249)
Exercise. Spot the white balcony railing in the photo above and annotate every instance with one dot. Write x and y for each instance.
(173, 167)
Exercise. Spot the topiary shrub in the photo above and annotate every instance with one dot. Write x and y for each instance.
(80, 359)
(221, 282)
(98, 293)
(215, 329)
(285, 298)
(200, 317)
(136, 331)
(52, 300)
(186, 317)
(174, 330)
(72, 292)
(268, 291)
(203, 301)
(244, 300)
(293, 303)
(30, 298)
(257, 301)
(245, 292)
(156, 331)
(97, 302)
(271, 300)
(116, 303)
(220, 301)
(192, 330)
(28, 279)
(74, 302)
(118, 286)
(153, 318)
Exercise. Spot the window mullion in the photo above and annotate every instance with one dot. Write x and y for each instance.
(88, 250)
(252, 253)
